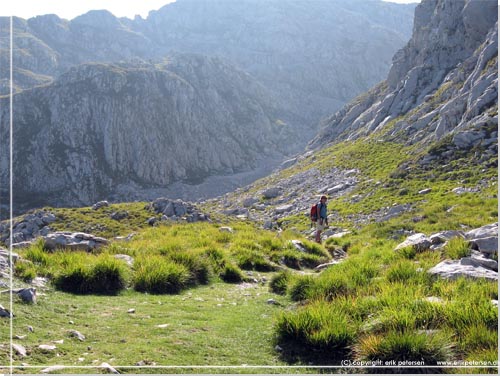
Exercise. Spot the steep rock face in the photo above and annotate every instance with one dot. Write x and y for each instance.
(101, 125)
(444, 80)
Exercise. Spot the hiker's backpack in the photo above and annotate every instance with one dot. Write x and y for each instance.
(314, 213)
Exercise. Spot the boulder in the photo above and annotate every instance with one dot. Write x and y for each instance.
(176, 210)
(28, 295)
(249, 201)
(487, 245)
(419, 242)
(73, 241)
(478, 259)
(128, 259)
(444, 236)
(19, 349)
(272, 193)
(483, 232)
(100, 204)
(119, 215)
(283, 209)
(4, 253)
(454, 269)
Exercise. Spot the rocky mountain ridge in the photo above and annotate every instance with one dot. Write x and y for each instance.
(444, 80)
(103, 126)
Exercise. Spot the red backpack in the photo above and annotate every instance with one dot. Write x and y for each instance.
(314, 213)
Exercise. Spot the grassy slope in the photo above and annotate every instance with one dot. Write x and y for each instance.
(378, 295)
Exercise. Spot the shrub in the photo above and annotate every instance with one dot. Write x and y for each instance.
(158, 275)
(461, 315)
(478, 337)
(291, 259)
(251, 260)
(25, 270)
(216, 258)
(320, 332)
(315, 249)
(408, 252)
(279, 282)
(231, 274)
(407, 345)
(100, 275)
(402, 271)
(300, 288)
(37, 255)
(198, 266)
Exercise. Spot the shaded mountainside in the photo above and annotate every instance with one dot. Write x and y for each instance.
(444, 80)
(100, 127)
(289, 46)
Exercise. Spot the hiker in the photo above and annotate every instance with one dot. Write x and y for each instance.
(319, 215)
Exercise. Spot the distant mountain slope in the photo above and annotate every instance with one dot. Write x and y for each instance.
(315, 55)
(101, 126)
(444, 80)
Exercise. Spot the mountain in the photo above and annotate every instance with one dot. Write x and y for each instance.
(431, 125)
(314, 55)
(443, 81)
(224, 91)
(103, 127)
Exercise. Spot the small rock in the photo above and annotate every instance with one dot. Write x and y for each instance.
(299, 246)
(271, 193)
(76, 334)
(419, 242)
(108, 368)
(119, 215)
(4, 312)
(272, 301)
(100, 204)
(47, 347)
(131, 310)
(28, 295)
(425, 191)
(226, 229)
(52, 369)
(30, 328)
(19, 349)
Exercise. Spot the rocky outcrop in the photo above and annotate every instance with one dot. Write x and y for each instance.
(100, 128)
(176, 210)
(483, 244)
(444, 81)
(27, 227)
(78, 241)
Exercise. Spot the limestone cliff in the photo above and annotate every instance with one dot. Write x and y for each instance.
(102, 125)
(444, 81)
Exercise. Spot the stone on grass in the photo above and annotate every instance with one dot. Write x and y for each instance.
(454, 269)
(419, 242)
(19, 349)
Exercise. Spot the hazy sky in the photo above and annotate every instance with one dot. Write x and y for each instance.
(70, 9)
